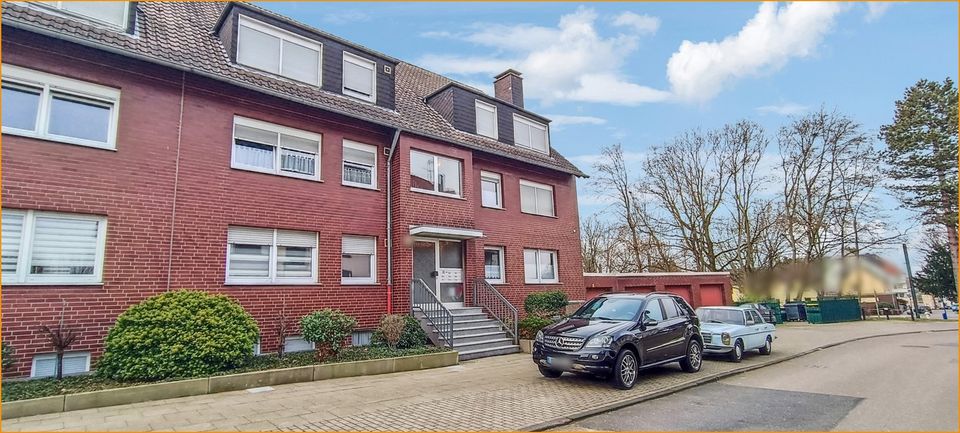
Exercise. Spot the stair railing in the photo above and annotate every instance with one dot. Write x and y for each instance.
(424, 300)
(491, 300)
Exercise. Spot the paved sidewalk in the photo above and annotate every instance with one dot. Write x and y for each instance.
(500, 393)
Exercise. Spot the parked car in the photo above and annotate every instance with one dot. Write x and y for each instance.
(765, 312)
(618, 335)
(954, 308)
(733, 330)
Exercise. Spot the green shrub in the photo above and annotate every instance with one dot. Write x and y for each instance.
(6, 355)
(328, 329)
(546, 304)
(411, 337)
(178, 334)
(529, 326)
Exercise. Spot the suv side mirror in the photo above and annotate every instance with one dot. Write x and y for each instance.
(646, 321)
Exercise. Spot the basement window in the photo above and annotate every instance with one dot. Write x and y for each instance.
(45, 364)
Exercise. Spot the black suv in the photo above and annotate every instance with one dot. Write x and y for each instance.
(617, 335)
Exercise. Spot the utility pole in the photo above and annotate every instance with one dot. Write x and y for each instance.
(913, 292)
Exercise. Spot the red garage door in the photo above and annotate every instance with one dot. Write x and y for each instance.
(593, 292)
(711, 295)
(683, 291)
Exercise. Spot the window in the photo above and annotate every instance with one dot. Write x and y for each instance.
(359, 77)
(486, 119)
(113, 13)
(45, 364)
(268, 256)
(50, 107)
(434, 174)
(361, 338)
(279, 52)
(530, 134)
(268, 148)
(670, 308)
(491, 192)
(52, 248)
(359, 165)
(536, 198)
(296, 343)
(757, 319)
(653, 310)
(358, 261)
(540, 266)
(493, 265)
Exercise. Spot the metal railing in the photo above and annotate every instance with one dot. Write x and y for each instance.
(423, 299)
(493, 302)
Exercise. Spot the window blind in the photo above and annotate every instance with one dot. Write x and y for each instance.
(359, 245)
(65, 246)
(290, 238)
(250, 236)
(12, 234)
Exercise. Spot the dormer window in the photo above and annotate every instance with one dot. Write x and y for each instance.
(359, 77)
(530, 134)
(486, 119)
(111, 13)
(279, 52)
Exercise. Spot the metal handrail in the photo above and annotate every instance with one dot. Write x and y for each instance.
(491, 300)
(422, 298)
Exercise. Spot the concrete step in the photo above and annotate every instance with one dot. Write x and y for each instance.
(466, 310)
(462, 331)
(494, 351)
(458, 318)
(487, 343)
(459, 341)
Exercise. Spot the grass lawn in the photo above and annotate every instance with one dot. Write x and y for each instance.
(25, 389)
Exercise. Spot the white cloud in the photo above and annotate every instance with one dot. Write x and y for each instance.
(560, 121)
(875, 10)
(698, 71)
(641, 24)
(346, 17)
(784, 109)
(569, 62)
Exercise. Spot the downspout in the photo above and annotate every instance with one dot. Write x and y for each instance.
(393, 148)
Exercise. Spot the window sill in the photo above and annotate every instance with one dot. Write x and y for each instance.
(497, 283)
(53, 283)
(58, 139)
(271, 283)
(540, 215)
(545, 283)
(437, 194)
(359, 284)
(492, 207)
(360, 186)
(273, 173)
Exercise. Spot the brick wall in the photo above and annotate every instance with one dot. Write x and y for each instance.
(698, 288)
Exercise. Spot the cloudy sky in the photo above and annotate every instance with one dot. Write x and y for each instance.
(640, 73)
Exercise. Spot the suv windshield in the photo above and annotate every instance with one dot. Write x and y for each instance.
(610, 309)
(717, 315)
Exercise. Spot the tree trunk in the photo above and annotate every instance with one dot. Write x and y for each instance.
(59, 366)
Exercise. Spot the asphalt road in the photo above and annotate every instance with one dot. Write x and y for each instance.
(906, 382)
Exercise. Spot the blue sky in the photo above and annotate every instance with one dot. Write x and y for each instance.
(640, 73)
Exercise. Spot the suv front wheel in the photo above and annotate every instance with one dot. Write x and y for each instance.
(625, 371)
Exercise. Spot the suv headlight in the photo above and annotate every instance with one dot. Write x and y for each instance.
(600, 341)
(725, 338)
(539, 337)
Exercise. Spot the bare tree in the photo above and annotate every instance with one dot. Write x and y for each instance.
(61, 337)
(613, 180)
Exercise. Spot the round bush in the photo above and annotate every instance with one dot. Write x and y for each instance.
(546, 304)
(178, 334)
(328, 329)
(411, 337)
(530, 325)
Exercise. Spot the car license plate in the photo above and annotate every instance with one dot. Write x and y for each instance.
(559, 362)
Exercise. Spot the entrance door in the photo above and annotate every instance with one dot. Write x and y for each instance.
(439, 263)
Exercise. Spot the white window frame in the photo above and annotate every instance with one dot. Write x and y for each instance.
(272, 278)
(279, 130)
(503, 265)
(363, 63)
(436, 175)
(58, 6)
(283, 35)
(48, 84)
(365, 148)
(540, 279)
(313, 345)
(46, 356)
(372, 279)
(489, 108)
(533, 124)
(24, 257)
(488, 176)
(542, 187)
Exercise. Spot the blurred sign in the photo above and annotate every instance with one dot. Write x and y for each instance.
(450, 275)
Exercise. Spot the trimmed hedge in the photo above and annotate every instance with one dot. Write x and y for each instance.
(178, 334)
(530, 325)
(546, 304)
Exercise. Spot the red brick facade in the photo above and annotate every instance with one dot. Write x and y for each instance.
(168, 193)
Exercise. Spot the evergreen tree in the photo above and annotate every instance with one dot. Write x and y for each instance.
(936, 277)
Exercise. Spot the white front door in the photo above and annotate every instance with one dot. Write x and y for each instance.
(439, 263)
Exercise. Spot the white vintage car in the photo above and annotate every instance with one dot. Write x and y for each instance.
(733, 330)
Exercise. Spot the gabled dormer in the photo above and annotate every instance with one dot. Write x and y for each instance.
(112, 15)
(501, 117)
(263, 42)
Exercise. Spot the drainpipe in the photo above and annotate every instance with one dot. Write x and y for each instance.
(393, 148)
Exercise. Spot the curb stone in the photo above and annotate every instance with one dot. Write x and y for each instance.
(561, 421)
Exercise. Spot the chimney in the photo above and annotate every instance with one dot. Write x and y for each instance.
(508, 87)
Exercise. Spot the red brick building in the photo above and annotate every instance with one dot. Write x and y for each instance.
(150, 147)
